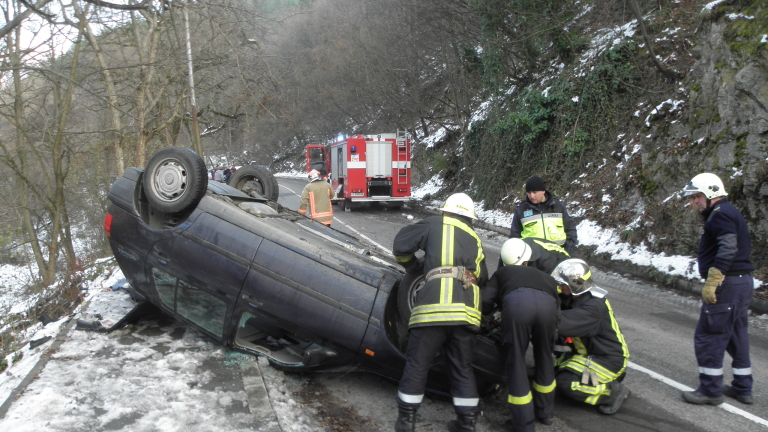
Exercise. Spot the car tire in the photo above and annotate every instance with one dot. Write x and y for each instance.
(175, 180)
(410, 285)
(258, 179)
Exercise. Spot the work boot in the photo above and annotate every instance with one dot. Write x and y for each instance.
(463, 423)
(619, 392)
(406, 418)
(731, 393)
(699, 398)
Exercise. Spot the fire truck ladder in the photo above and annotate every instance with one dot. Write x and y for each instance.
(402, 157)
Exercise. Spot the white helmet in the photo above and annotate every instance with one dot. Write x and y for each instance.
(515, 252)
(460, 204)
(576, 274)
(314, 175)
(708, 184)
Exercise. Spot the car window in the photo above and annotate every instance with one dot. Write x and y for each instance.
(194, 304)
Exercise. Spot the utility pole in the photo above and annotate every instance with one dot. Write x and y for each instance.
(198, 145)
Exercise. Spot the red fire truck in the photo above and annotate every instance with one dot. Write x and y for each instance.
(366, 168)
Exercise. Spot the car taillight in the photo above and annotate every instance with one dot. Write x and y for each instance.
(108, 224)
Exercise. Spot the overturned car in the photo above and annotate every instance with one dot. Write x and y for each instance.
(263, 279)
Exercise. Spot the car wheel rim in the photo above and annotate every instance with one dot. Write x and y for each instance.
(170, 180)
(256, 185)
(415, 293)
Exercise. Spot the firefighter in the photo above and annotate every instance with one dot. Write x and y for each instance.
(543, 216)
(724, 262)
(529, 304)
(595, 361)
(541, 254)
(316, 198)
(447, 310)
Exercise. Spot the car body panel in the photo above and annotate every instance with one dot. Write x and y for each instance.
(269, 281)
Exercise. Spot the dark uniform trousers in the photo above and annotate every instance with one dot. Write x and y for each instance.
(529, 315)
(723, 327)
(423, 346)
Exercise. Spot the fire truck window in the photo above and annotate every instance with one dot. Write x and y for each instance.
(316, 155)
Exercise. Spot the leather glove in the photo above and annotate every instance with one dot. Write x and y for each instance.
(714, 278)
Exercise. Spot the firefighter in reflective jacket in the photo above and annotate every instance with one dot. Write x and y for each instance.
(316, 199)
(593, 364)
(529, 303)
(447, 310)
(543, 216)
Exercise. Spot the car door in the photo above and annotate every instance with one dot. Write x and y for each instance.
(198, 272)
(311, 287)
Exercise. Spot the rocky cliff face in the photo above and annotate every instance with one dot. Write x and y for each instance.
(717, 122)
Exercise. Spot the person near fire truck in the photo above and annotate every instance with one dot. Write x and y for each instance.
(543, 216)
(529, 304)
(724, 263)
(316, 199)
(446, 313)
(594, 353)
(541, 254)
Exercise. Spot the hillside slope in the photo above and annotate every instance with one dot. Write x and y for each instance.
(617, 139)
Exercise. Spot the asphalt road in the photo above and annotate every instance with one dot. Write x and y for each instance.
(658, 325)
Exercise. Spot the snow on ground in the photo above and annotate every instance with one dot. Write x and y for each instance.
(164, 381)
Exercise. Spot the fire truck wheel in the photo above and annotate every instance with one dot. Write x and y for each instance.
(256, 179)
(175, 180)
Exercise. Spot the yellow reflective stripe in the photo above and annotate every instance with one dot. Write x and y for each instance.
(594, 391)
(544, 388)
(447, 220)
(579, 345)
(446, 290)
(579, 364)
(436, 313)
(441, 318)
(450, 308)
(619, 335)
(403, 258)
(447, 252)
(520, 400)
(551, 247)
(588, 275)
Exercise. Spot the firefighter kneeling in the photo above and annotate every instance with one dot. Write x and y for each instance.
(593, 366)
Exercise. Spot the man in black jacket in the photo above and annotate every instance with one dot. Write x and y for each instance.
(593, 366)
(447, 310)
(543, 216)
(529, 303)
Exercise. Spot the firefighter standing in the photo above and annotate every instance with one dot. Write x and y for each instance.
(543, 216)
(316, 199)
(447, 310)
(724, 262)
(541, 254)
(529, 304)
(592, 370)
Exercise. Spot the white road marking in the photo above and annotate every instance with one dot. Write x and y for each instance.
(363, 236)
(350, 228)
(683, 387)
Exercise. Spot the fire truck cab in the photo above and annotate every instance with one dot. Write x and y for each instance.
(366, 168)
